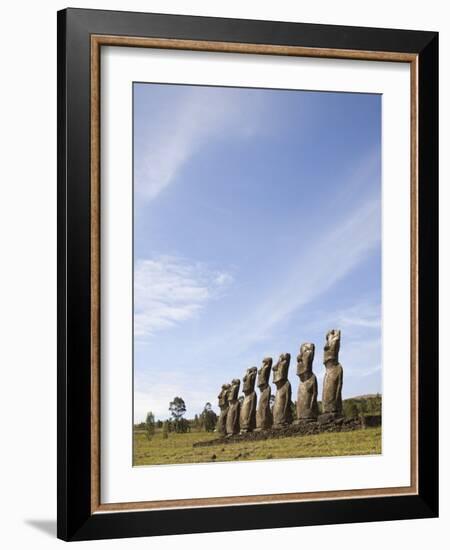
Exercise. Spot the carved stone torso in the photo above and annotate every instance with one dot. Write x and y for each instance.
(232, 422)
(248, 407)
(307, 407)
(223, 405)
(332, 389)
(248, 413)
(222, 420)
(282, 414)
(264, 418)
(333, 379)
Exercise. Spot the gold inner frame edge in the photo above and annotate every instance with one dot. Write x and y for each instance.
(97, 41)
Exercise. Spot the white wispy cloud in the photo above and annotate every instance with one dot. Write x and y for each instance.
(183, 128)
(169, 290)
(365, 316)
(362, 317)
(322, 265)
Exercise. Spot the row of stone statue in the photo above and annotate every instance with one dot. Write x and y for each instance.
(236, 417)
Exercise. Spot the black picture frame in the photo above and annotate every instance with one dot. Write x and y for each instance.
(75, 518)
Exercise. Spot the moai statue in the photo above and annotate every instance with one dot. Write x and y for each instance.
(307, 408)
(332, 382)
(282, 414)
(248, 407)
(232, 423)
(221, 427)
(264, 419)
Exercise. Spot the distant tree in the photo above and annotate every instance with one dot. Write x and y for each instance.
(165, 429)
(353, 410)
(182, 426)
(177, 408)
(374, 404)
(209, 418)
(379, 403)
(347, 406)
(159, 424)
(363, 406)
(196, 422)
(150, 425)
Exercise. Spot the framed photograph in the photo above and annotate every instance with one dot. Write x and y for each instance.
(247, 253)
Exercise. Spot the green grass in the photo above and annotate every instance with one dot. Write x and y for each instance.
(178, 449)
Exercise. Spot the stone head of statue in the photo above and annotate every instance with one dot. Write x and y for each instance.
(280, 370)
(223, 395)
(248, 381)
(264, 373)
(305, 361)
(332, 346)
(233, 392)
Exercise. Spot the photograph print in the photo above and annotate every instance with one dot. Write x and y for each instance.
(257, 274)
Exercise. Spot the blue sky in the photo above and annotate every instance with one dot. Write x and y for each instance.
(257, 227)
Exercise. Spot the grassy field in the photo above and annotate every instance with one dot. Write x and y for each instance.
(178, 449)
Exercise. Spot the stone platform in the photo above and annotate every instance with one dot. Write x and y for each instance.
(299, 429)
